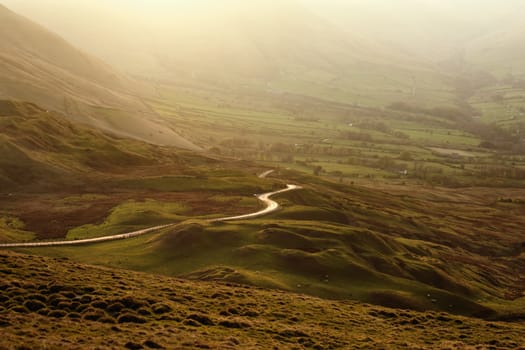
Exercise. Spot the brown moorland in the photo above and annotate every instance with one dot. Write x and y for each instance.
(55, 303)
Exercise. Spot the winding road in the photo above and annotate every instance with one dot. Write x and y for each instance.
(271, 206)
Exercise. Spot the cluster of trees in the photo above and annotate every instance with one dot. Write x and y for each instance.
(493, 136)
(383, 163)
(357, 136)
(375, 125)
(365, 137)
(500, 171)
(445, 112)
(381, 127)
(403, 165)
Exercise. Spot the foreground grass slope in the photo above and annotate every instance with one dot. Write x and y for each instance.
(55, 303)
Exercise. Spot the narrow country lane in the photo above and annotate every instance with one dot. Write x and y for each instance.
(271, 206)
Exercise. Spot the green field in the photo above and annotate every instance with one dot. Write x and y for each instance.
(341, 140)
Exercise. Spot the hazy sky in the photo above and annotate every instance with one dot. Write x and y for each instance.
(109, 28)
(467, 10)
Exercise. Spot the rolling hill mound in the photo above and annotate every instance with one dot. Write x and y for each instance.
(39, 66)
(63, 304)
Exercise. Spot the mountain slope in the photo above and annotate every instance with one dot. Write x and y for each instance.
(39, 66)
(500, 52)
(42, 148)
(33, 56)
(257, 39)
(286, 48)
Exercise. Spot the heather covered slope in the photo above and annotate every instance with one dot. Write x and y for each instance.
(55, 303)
(56, 175)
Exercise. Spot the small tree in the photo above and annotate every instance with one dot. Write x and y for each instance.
(406, 155)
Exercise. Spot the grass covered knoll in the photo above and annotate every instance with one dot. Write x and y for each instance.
(55, 303)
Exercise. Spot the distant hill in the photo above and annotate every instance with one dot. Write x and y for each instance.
(279, 47)
(368, 53)
(235, 36)
(501, 51)
(39, 66)
(288, 48)
(265, 40)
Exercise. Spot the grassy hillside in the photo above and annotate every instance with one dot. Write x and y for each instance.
(412, 191)
(39, 66)
(57, 176)
(48, 303)
(285, 46)
(48, 148)
(404, 246)
(433, 250)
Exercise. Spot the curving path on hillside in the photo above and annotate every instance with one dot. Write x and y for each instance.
(85, 241)
(265, 174)
(271, 206)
